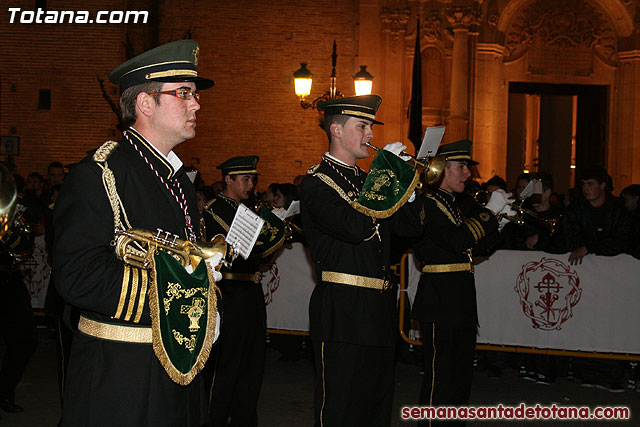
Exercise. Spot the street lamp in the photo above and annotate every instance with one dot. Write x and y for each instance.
(303, 79)
(363, 81)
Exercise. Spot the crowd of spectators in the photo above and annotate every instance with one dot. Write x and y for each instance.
(588, 219)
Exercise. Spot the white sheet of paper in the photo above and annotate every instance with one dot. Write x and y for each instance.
(294, 209)
(244, 230)
(192, 176)
(431, 141)
(528, 190)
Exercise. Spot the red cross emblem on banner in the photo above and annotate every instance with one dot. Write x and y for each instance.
(548, 290)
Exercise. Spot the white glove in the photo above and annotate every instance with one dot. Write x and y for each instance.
(397, 148)
(412, 197)
(214, 262)
(506, 212)
(499, 199)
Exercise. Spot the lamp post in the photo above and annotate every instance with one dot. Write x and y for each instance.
(303, 79)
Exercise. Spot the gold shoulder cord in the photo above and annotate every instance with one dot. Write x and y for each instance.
(331, 183)
(109, 182)
(443, 208)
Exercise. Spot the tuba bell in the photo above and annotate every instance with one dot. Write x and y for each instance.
(137, 246)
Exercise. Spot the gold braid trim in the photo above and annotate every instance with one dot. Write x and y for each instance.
(109, 183)
(144, 279)
(208, 204)
(219, 221)
(443, 208)
(158, 348)
(331, 183)
(476, 228)
(123, 292)
(104, 151)
(388, 212)
(473, 230)
(134, 294)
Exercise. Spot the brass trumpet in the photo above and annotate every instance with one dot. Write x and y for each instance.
(136, 246)
(482, 197)
(433, 167)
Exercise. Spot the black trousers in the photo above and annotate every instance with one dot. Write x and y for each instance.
(18, 329)
(239, 357)
(354, 385)
(448, 365)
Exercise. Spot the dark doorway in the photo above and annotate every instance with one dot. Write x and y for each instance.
(556, 128)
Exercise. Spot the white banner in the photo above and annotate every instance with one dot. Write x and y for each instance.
(537, 299)
(36, 273)
(287, 289)
(525, 298)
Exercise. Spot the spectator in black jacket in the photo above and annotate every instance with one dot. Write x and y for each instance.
(599, 224)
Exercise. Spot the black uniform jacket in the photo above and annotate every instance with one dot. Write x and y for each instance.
(448, 296)
(218, 217)
(119, 381)
(343, 240)
(606, 230)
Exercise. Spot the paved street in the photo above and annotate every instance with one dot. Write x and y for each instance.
(287, 393)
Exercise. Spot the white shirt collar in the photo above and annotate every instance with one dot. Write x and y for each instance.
(335, 159)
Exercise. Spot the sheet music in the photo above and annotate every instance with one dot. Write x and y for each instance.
(244, 230)
(528, 190)
(431, 141)
(294, 209)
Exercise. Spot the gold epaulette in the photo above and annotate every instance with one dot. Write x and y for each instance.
(104, 151)
(209, 203)
(313, 169)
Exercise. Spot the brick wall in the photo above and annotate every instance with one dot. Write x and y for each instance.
(250, 48)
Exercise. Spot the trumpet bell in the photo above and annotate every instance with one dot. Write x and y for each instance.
(434, 170)
(206, 250)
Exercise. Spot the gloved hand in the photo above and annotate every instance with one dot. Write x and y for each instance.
(214, 262)
(499, 199)
(397, 148)
(502, 223)
(507, 211)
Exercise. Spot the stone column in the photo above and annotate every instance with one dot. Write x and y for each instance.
(394, 25)
(490, 112)
(624, 151)
(460, 19)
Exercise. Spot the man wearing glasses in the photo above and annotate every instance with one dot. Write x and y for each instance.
(114, 377)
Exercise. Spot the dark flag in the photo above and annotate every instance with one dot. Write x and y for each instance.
(415, 105)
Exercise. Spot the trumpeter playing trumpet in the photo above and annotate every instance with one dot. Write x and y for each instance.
(147, 323)
(445, 302)
(348, 217)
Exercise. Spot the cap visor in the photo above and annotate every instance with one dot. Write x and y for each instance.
(201, 83)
